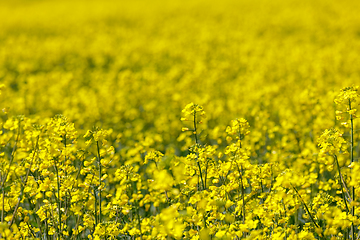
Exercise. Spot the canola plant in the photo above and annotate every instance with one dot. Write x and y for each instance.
(179, 119)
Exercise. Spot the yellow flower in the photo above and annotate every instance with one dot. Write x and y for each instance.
(193, 110)
(347, 94)
(239, 127)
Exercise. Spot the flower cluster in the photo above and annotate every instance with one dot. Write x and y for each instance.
(332, 142)
(193, 113)
(348, 99)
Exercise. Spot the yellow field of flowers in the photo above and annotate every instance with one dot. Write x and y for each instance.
(179, 119)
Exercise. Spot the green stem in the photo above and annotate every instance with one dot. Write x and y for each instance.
(342, 184)
(196, 143)
(99, 159)
(52, 218)
(3, 204)
(95, 206)
(307, 209)
(25, 181)
(138, 217)
(198, 163)
(6, 174)
(284, 216)
(242, 193)
(77, 225)
(202, 181)
(352, 160)
(46, 228)
(58, 198)
(195, 133)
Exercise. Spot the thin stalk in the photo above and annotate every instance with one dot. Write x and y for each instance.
(23, 216)
(52, 218)
(65, 152)
(352, 160)
(95, 206)
(3, 204)
(261, 183)
(204, 219)
(38, 221)
(202, 181)
(6, 174)
(241, 181)
(25, 181)
(242, 194)
(117, 215)
(342, 184)
(138, 217)
(58, 198)
(199, 166)
(272, 178)
(76, 226)
(284, 216)
(307, 209)
(206, 171)
(99, 159)
(66, 193)
(46, 229)
(196, 143)
(240, 138)
(31, 230)
(195, 134)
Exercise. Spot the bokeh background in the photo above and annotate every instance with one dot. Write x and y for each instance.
(131, 66)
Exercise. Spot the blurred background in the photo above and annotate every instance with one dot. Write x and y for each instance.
(132, 66)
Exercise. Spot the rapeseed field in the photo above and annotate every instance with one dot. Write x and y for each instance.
(179, 119)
